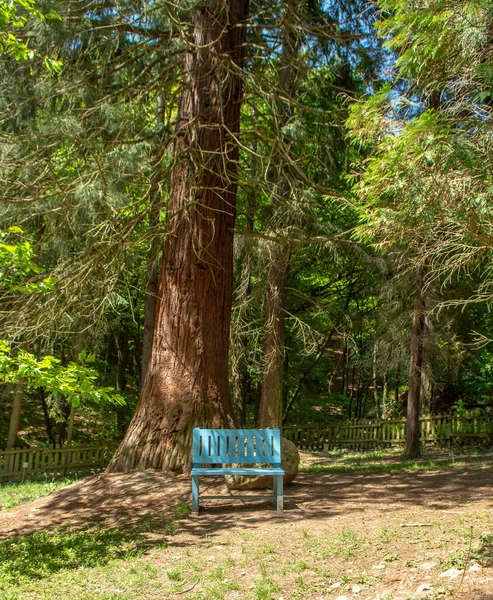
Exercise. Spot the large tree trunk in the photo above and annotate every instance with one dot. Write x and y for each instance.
(411, 447)
(150, 303)
(187, 380)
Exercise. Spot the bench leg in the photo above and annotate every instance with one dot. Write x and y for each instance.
(278, 491)
(195, 494)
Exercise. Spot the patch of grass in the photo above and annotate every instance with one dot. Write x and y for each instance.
(325, 575)
(364, 579)
(231, 585)
(217, 574)
(288, 558)
(387, 534)
(362, 455)
(42, 554)
(347, 542)
(215, 591)
(389, 461)
(344, 577)
(302, 589)
(181, 510)
(15, 493)
(266, 589)
(144, 569)
(374, 467)
(343, 545)
(391, 558)
(484, 554)
(174, 575)
(454, 561)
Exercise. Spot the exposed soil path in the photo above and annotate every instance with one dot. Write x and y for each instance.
(350, 535)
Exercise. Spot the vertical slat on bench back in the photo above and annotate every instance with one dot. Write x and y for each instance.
(228, 446)
(250, 445)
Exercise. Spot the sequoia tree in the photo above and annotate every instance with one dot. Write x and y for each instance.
(186, 384)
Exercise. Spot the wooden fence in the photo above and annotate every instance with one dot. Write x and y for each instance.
(31, 461)
(447, 430)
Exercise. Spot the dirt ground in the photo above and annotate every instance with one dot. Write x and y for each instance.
(346, 535)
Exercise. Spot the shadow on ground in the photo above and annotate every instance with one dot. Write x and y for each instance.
(90, 523)
(40, 554)
(321, 497)
(121, 515)
(107, 500)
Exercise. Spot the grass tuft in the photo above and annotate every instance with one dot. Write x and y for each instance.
(15, 493)
(41, 554)
(389, 461)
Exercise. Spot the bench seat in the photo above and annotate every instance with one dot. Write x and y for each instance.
(245, 450)
(253, 472)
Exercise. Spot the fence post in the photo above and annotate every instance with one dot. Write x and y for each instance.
(41, 460)
(386, 433)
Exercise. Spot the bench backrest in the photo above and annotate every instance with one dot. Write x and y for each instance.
(241, 446)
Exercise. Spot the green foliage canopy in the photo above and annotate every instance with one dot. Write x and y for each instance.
(75, 382)
(427, 182)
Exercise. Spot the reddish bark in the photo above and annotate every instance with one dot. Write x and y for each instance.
(187, 379)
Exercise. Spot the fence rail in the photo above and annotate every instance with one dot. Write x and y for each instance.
(447, 430)
(31, 461)
(359, 435)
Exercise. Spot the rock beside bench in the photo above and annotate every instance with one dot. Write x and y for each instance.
(290, 460)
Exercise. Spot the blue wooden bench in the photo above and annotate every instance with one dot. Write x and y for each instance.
(237, 447)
